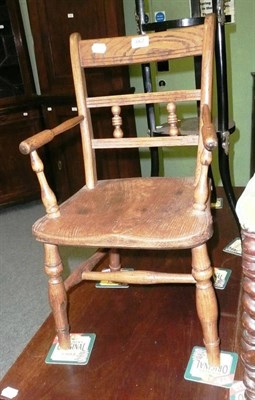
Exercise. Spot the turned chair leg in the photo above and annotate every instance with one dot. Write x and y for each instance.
(57, 294)
(114, 260)
(248, 316)
(206, 302)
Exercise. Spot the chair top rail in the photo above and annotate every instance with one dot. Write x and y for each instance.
(157, 46)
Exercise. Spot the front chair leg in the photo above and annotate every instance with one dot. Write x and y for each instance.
(57, 294)
(206, 302)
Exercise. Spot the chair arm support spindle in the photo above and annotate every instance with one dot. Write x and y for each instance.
(210, 142)
(48, 197)
(30, 145)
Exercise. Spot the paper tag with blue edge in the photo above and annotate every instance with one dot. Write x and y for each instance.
(221, 277)
(78, 354)
(198, 369)
(105, 284)
(237, 390)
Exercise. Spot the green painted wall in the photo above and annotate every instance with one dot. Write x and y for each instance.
(240, 38)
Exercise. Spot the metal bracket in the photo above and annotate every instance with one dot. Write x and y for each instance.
(225, 141)
(221, 12)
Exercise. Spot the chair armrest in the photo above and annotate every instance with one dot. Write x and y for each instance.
(210, 141)
(39, 139)
(30, 145)
(209, 136)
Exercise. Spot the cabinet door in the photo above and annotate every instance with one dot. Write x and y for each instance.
(52, 22)
(17, 180)
(15, 69)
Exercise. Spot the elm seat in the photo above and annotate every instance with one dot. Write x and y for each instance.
(145, 213)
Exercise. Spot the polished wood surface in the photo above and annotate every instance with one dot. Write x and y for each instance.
(144, 334)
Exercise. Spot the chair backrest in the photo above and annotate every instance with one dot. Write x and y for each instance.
(128, 50)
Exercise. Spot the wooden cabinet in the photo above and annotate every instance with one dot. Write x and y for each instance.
(18, 181)
(15, 69)
(52, 22)
(18, 120)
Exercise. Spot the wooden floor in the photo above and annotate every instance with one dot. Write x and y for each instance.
(144, 335)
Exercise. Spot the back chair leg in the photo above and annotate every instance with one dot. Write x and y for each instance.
(206, 302)
(114, 261)
(57, 294)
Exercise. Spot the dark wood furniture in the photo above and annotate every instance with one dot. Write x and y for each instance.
(144, 213)
(19, 117)
(134, 329)
(15, 69)
(52, 22)
(17, 182)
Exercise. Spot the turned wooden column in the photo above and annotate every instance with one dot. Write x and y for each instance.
(206, 302)
(248, 317)
(57, 294)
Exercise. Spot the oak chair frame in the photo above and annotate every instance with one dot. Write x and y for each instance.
(61, 227)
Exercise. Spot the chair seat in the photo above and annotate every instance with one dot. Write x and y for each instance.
(134, 213)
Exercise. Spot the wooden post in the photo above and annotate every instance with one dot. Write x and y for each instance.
(114, 264)
(206, 303)
(57, 294)
(248, 317)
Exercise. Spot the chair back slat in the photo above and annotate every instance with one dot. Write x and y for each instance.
(126, 50)
(164, 141)
(144, 98)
